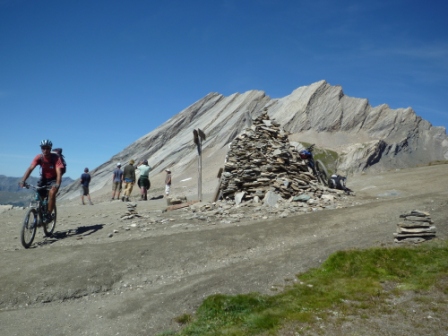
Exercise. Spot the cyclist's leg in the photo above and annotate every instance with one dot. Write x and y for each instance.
(41, 183)
(51, 196)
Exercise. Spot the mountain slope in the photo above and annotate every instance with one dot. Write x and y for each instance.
(366, 137)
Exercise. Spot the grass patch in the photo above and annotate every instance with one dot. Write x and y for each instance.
(328, 157)
(351, 282)
(183, 319)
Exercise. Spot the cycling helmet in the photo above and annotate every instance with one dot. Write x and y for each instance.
(46, 143)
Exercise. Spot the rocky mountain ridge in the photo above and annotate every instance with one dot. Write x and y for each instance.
(366, 138)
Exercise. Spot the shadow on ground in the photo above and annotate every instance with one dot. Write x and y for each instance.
(79, 232)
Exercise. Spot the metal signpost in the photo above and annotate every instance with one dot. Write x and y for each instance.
(198, 137)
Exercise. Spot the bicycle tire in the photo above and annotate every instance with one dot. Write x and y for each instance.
(322, 173)
(49, 228)
(29, 228)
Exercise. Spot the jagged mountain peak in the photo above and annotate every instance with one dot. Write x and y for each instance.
(367, 138)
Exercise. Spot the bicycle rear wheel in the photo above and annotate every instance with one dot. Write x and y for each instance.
(29, 228)
(49, 228)
(322, 173)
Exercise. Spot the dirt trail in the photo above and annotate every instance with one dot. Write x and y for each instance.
(105, 276)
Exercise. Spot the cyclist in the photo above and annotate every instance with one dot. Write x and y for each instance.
(51, 174)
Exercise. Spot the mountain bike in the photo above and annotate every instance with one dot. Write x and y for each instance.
(34, 216)
(318, 168)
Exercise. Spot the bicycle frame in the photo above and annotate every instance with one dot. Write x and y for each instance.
(40, 202)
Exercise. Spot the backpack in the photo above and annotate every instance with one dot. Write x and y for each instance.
(305, 154)
(338, 182)
(58, 152)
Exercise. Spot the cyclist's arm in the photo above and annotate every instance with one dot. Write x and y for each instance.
(59, 165)
(28, 173)
(58, 178)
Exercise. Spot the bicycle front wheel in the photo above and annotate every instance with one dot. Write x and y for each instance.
(29, 228)
(49, 228)
(322, 173)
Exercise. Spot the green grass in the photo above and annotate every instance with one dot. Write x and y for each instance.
(351, 282)
(328, 157)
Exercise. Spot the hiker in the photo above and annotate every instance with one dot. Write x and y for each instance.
(85, 181)
(117, 178)
(128, 179)
(143, 181)
(339, 182)
(167, 182)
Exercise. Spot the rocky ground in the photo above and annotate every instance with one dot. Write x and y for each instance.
(107, 273)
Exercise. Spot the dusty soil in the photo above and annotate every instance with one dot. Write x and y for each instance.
(100, 275)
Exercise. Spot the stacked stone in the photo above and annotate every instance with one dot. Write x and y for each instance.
(415, 228)
(172, 200)
(261, 159)
(131, 211)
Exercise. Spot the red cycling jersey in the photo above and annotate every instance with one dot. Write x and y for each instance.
(48, 165)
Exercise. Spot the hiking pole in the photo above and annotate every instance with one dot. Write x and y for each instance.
(198, 137)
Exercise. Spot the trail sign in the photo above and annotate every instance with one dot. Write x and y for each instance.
(198, 138)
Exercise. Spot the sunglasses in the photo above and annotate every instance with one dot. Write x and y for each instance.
(45, 148)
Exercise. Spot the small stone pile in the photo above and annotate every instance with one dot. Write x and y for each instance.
(415, 228)
(261, 159)
(172, 200)
(131, 211)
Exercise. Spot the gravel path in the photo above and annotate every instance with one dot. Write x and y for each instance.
(102, 275)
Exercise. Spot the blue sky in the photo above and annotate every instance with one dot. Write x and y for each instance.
(95, 75)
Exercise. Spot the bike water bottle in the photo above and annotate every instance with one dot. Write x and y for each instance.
(44, 204)
(36, 197)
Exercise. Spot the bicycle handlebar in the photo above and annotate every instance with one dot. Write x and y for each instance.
(311, 147)
(28, 186)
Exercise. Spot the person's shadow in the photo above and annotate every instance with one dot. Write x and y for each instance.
(79, 232)
(156, 197)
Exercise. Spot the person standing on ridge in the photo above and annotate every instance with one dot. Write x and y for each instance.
(143, 181)
(85, 181)
(51, 174)
(117, 180)
(129, 180)
(168, 182)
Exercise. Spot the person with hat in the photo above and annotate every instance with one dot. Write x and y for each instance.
(167, 182)
(85, 181)
(143, 181)
(128, 179)
(117, 178)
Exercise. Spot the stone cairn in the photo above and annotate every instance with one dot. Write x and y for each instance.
(261, 159)
(131, 211)
(415, 228)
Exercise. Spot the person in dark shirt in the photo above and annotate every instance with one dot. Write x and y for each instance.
(129, 180)
(85, 181)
